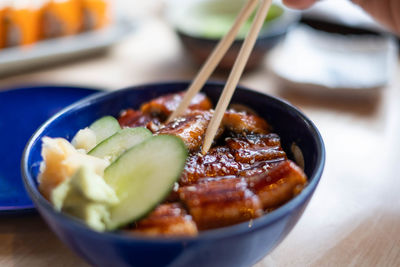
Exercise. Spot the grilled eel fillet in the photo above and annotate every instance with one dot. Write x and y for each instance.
(190, 128)
(241, 122)
(278, 185)
(255, 148)
(220, 203)
(217, 162)
(151, 114)
(167, 219)
(163, 106)
(242, 156)
(136, 118)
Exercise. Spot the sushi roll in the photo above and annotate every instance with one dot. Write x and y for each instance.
(96, 14)
(62, 18)
(3, 15)
(22, 23)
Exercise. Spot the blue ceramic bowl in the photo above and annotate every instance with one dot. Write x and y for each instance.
(238, 245)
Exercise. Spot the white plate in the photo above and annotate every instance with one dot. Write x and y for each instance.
(64, 48)
(319, 62)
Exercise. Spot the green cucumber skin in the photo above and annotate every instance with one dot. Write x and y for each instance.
(105, 127)
(135, 177)
(119, 142)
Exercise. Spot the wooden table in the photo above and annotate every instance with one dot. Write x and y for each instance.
(354, 216)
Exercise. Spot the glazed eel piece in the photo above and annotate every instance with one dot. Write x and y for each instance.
(192, 126)
(163, 106)
(153, 113)
(222, 201)
(239, 156)
(167, 219)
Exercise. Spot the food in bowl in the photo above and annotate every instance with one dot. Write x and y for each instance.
(134, 174)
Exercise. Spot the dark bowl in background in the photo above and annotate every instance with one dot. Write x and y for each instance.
(199, 46)
(239, 245)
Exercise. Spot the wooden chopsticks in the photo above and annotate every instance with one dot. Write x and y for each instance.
(236, 72)
(235, 75)
(214, 58)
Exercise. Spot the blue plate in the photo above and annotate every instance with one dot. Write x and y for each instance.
(22, 111)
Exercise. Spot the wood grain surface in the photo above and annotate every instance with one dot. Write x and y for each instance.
(353, 218)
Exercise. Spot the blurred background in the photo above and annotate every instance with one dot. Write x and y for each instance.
(332, 61)
(326, 47)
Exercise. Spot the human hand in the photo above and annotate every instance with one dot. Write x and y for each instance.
(386, 12)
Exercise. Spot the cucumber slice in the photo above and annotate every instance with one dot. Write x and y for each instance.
(115, 145)
(143, 176)
(104, 128)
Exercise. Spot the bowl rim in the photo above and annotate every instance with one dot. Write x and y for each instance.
(218, 233)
